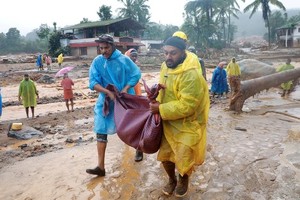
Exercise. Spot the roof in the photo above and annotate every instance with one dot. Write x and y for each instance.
(95, 44)
(120, 24)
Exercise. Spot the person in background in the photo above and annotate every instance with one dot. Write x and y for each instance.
(39, 62)
(28, 94)
(111, 67)
(234, 77)
(219, 84)
(193, 50)
(48, 62)
(133, 54)
(183, 106)
(286, 87)
(60, 59)
(67, 84)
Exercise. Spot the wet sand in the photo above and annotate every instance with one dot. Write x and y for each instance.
(254, 155)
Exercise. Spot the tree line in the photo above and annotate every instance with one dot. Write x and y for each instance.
(208, 24)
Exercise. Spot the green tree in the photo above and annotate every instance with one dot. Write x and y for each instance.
(142, 11)
(193, 23)
(54, 25)
(128, 9)
(13, 40)
(168, 31)
(276, 20)
(294, 19)
(43, 31)
(105, 13)
(84, 20)
(136, 10)
(54, 44)
(153, 31)
(232, 10)
(266, 11)
(3, 44)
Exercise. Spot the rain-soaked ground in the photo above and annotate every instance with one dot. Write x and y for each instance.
(254, 155)
(260, 162)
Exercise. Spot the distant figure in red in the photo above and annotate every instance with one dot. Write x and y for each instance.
(48, 61)
(67, 84)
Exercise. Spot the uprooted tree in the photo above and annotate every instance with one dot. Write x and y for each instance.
(251, 87)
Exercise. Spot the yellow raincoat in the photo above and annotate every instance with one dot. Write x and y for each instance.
(287, 85)
(28, 92)
(60, 58)
(233, 69)
(184, 109)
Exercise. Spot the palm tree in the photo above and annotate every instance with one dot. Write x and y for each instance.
(232, 11)
(128, 10)
(266, 11)
(142, 11)
(206, 7)
(200, 13)
(193, 23)
(224, 10)
(135, 9)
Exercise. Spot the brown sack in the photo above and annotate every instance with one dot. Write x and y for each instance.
(136, 125)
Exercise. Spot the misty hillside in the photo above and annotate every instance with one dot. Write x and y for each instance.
(255, 25)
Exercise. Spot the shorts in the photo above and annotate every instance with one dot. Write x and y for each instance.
(101, 137)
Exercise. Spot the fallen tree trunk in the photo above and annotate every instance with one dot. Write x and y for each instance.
(251, 87)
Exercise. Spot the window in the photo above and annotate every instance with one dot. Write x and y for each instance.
(298, 30)
(83, 51)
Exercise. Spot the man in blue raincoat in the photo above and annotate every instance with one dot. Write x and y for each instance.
(111, 67)
(39, 62)
(219, 83)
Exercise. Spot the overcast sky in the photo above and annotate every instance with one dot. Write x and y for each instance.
(26, 15)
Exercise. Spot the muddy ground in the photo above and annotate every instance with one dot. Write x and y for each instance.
(254, 155)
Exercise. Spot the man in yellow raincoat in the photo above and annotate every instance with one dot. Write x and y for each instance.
(28, 94)
(183, 105)
(60, 59)
(234, 78)
(286, 87)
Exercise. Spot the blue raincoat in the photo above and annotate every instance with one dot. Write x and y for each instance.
(118, 70)
(39, 61)
(219, 81)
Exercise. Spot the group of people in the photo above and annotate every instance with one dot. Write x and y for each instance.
(219, 84)
(28, 94)
(232, 73)
(183, 105)
(41, 59)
